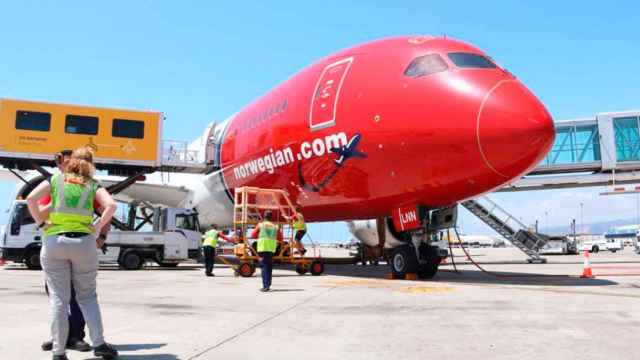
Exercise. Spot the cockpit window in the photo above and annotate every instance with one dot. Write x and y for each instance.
(425, 65)
(469, 60)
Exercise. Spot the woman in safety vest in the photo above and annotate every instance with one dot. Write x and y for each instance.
(300, 227)
(69, 247)
(268, 235)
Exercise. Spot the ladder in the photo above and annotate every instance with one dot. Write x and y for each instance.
(508, 226)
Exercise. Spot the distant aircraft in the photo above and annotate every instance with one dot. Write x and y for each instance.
(395, 128)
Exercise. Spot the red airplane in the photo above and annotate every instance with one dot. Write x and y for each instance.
(403, 121)
(393, 128)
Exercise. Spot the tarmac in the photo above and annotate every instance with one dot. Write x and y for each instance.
(517, 311)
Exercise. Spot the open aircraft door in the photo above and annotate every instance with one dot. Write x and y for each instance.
(324, 102)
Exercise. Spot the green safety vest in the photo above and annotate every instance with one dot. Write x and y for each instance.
(298, 223)
(267, 240)
(71, 206)
(210, 238)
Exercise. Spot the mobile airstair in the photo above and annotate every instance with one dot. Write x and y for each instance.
(508, 226)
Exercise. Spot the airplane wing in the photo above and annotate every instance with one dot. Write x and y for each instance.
(155, 190)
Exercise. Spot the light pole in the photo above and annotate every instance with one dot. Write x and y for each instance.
(546, 222)
(582, 218)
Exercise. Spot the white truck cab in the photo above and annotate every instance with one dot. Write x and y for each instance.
(596, 245)
(175, 237)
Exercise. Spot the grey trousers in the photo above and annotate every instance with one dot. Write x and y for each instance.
(65, 260)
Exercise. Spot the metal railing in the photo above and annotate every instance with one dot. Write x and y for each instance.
(176, 152)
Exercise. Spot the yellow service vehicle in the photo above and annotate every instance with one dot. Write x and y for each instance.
(122, 140)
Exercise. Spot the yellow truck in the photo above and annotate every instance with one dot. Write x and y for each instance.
(122, 140)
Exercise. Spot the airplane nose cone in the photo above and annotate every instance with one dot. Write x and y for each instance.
(515, 131)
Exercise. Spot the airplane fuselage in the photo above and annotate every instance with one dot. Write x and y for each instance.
(400, 121)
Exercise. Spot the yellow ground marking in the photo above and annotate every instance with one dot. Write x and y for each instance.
(425, 289)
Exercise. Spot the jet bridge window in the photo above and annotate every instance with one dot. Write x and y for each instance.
(133, 129)
(425, 65)
(32, 120)
(470, 60)
(77, 124)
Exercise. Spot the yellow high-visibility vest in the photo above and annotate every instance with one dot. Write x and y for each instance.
(71, 205)
(210, 238)
(267, 240)
(299, 224)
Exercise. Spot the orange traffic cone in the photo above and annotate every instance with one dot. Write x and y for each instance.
(586, 270)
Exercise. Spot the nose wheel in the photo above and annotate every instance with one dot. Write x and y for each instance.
(403, 261)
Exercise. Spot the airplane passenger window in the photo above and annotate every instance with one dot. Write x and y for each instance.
(425, 65)
(32, 120)
(128, 128)
(469, 60)
(77, 124)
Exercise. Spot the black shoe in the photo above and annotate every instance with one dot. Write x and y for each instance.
(106, 351)
(78, 345)
(60, 357)
(47, 346)
(264, 289)
(209, 274)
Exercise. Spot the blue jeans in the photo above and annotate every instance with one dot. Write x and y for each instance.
(267, 268)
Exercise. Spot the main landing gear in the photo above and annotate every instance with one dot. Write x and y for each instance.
(405, 259)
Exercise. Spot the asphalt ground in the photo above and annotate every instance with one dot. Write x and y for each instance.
(514, 311)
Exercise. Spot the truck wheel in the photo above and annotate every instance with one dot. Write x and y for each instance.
(301, 269)
(131, 260)
(246, 269)
(403, 261)
(613, 250)
(32, 259)
(316, 268)
(595, 249)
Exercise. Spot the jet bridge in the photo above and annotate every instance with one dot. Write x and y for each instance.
(603, 150)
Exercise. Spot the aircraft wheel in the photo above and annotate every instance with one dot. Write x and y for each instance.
(301, 269)
(403, 261)
(316, 268)
(429, 270)
(246, 269)
(32, 259)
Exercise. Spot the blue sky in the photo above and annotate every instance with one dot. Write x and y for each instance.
(199, 61)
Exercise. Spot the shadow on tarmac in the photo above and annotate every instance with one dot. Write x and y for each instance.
(144, 357)
(474, 277)
(135, 347)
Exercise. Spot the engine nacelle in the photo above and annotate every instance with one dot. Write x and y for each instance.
(366, 231)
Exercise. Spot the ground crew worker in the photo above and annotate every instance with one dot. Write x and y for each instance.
(268, 235)
(75, 339)
(209, 243)
(300, 227)
(69, 247)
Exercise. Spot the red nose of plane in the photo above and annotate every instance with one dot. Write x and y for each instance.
(515, 131)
